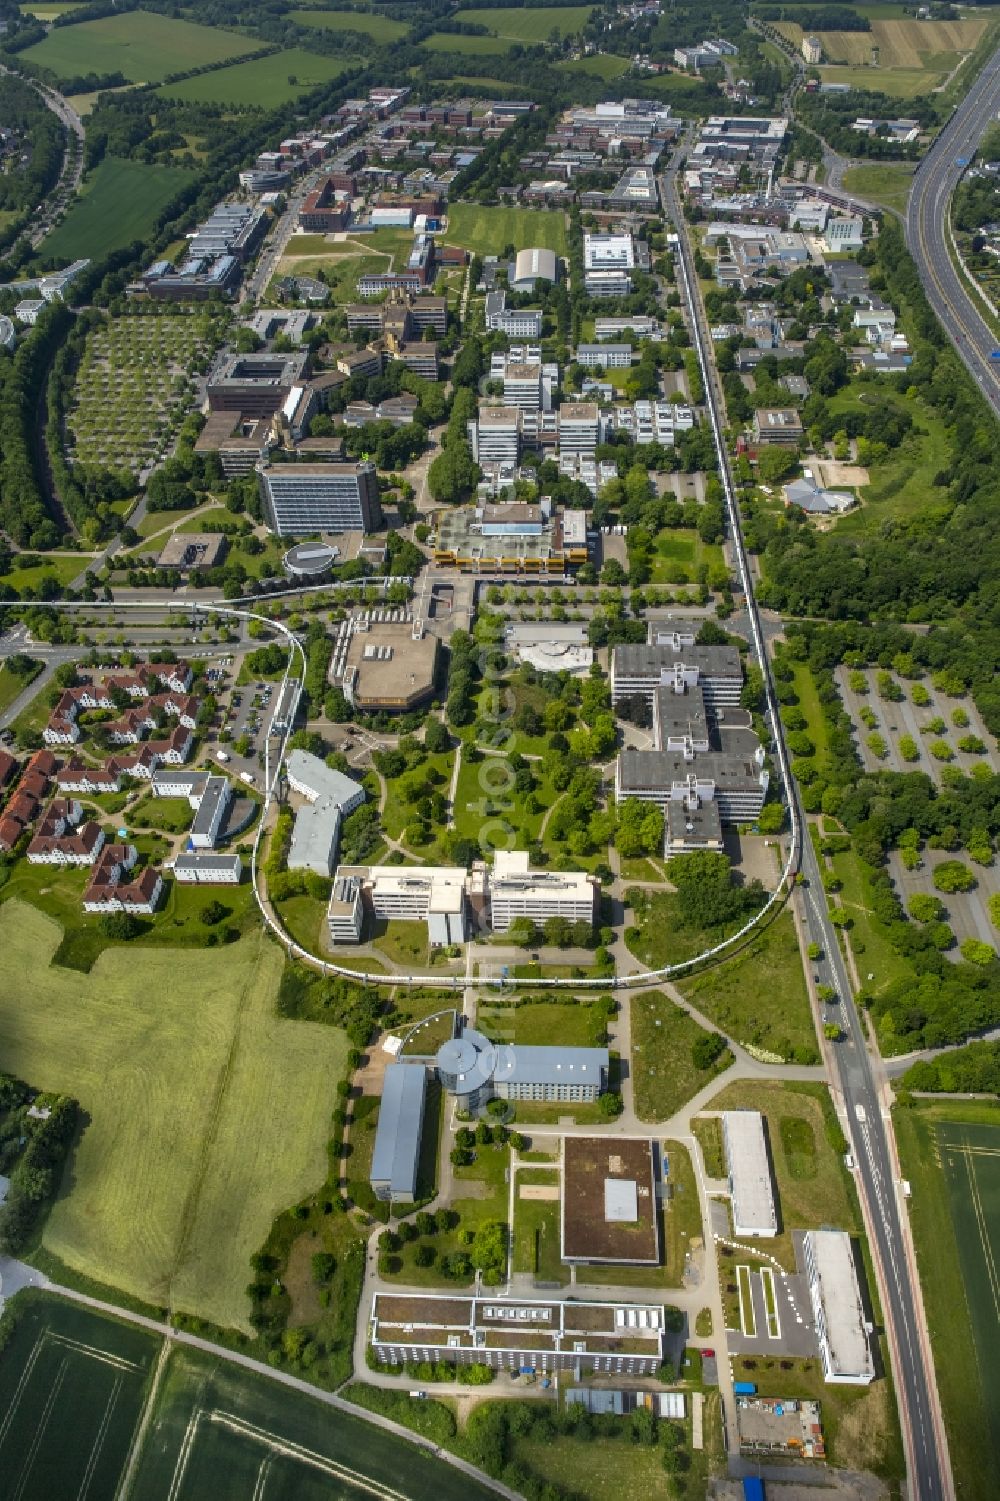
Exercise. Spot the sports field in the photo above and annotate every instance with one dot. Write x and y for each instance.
(142, 45)
(529, 26)
(207, 1114)
(72, 1390)
(266, 82)
(120, 203)
(487, 231)
(234, 1435)
(380, 28)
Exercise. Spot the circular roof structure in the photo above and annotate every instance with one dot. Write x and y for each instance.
(310, 557)
(466, 1063)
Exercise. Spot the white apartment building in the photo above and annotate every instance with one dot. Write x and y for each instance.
(206, 869)
(844, 234)
(516, 323)
(835, 1293)
(653, 421)
(516, 891)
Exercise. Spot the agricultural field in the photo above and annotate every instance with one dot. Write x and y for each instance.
(120, 202)
(901, 56)
(950, 1153)
(134, 387)
(186, 1074)
(231, 1434)
(72, 1392)
(380, 28)
(265, 83)
(143, 46)
(486, 231)
(529, 26)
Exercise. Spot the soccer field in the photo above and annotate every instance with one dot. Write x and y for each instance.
(207, 1114)
(232, 1435)
(143, 46)
(72, 1390)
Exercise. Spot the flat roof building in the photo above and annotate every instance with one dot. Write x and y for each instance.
(257, 385)
(396, 1154)
(304, 498)
(476, 1070)
(835, 1292)
(345, 914)
(609, 1206)
(330, 797)
(387, 667)
(516, 891)
(675, 659)
(208, 869)
(749, 1169)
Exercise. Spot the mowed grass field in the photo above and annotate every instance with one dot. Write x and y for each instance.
(604, 65)
(207, 1114)
(264, 83)
(380, 28)
(487, 231)
(120, 203)
(230, 1434)
(535, 25)
(142, 45)
(950, 1153)
(72, 1390)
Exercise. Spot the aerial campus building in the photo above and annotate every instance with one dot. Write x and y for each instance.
(749, 1169)
(304, 498)
(613, 1338)
(707, 768)
(842, 1326)
(396, 1153)
(451, 899)
(328, 797)
(475, 1071)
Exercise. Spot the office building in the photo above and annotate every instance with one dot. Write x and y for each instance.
(608, 252)
(256, 385)
(516, 323)
(675, 658)
(328, 797)
(617, 1175)
(516, 891)
(386, 666)
(609, 356)
(843, 234)
(522, 385)
(512, 538)
(345, 914)
(475, 1071)
(749, 1169)
(495, 435)
(842, 1327)
(201, 868)
(780, 425)
(396, 1153)
(579, 427)
(304, 498)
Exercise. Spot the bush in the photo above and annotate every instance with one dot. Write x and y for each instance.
(707, 1049)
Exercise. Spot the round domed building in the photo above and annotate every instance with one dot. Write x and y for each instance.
(475, 1071)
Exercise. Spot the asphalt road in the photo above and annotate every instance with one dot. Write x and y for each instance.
(928, 1472)
(927, 220)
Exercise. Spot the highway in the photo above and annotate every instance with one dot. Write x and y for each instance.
(927, 229)
(920, 1417)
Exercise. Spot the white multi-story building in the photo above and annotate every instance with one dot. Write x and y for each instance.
(208, 869)
(844, 234)
(516, 891)
(608, 252)
(609, 356)
(579, 427)
(345, 914)
(838, 1312)
(431, 893)
(516, 323)
(673, 658)
(495, 436)
(522, 385)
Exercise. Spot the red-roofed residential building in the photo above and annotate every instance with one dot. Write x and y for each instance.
(110, 888)
(8, 766)
(62, 839)
(11, 830)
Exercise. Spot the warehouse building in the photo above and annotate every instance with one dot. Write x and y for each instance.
(329, 797)
(842, 1327)
(749, 1168)
(396, 1153)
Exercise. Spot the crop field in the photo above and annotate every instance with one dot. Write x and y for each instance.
(72, 1390)
(265, 83)
(487, 231)
(134, 389)
(207, 1113)
(143, 46)
(950, 1153)
(912, 56)
(529, 26)
(380, 28)
(120, 202)
(230, 1434)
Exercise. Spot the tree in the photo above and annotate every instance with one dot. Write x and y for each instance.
(557, 931)
(213, 913)
(775, 464)
(523, 932)
(706, 1049)
(120, 926)
(323, 1267)
(925, 908)
(425, 1254)
(951, 876)
(771, 819)
(976, 952)
(610, 1105)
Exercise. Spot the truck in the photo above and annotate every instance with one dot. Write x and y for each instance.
(222, 756)
(744, 1389)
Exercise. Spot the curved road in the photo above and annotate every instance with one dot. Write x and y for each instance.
(861, 1090)
(927, 229)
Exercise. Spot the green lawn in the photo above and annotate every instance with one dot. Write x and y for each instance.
(887, 183)
(379, 28)
(679, 552)
(604, 65)
(961, 1321)
(660, 937)
(485, 1182)
(487, 230)
(759, 996)
(263, 83)
(467, 46)
(11, 685)
(43, 566)
(120, 203)
(898, 83)
(664, 1075)
(571, 1024)
(901, 484)
(814, 1186)
(206, 1114)
(876, 955)
(537, 1237)
(142, 45)
(531, 25)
